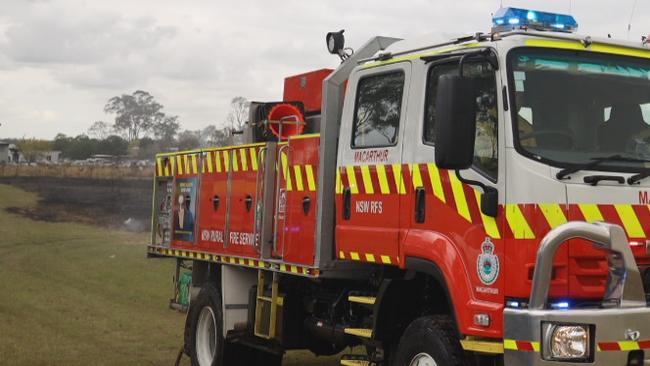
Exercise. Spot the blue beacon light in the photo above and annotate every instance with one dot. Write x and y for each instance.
(507, 19)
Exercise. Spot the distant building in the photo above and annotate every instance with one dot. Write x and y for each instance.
(4, 153)
(50, 157)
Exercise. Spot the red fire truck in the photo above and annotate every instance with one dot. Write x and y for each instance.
(478, 202)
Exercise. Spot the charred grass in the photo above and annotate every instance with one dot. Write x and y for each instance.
(77, 294)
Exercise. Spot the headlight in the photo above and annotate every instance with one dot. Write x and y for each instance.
(564, 342)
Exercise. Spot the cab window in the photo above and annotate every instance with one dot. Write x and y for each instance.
(377, 110)
(486, 145)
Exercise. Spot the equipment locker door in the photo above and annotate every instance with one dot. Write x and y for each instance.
(438, 204)
(370, 175)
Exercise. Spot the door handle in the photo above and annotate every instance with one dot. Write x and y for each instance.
(420, 205)
(347, 203)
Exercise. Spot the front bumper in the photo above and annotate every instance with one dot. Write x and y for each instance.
(611, 344)
(619, 331)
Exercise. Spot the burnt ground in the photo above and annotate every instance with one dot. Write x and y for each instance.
(114, 203)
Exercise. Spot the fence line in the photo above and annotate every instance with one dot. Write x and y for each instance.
(75, 171)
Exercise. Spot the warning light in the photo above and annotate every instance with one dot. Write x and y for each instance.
(507, 19)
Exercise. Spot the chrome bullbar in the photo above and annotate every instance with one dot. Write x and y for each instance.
(616, 333)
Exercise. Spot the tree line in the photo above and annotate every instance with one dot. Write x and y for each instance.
(140, 129)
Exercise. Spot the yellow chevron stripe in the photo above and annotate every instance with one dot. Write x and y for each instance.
(298, 173)
(459, 196)
(352, 179)
(535, 346)
(341, 254)
(399, 181)
(339, 185)
(235, 163)
(629, 346)
(385, 259)
(367, 180)
(518, 223)
(172, 165)
(553, 214)
(416, 177)
(160, 167)
(354, 256)
(285, 171)
(370, 257)
(244, 161)
(254, 158)
(383, 179)
(630, 221)
(195, 164)
(436, 182)
(510, 344)
(226, 160)
(209, 162)
(217, 162)
(489, 223)
(311, 182)
(591, 212)
(179, 164)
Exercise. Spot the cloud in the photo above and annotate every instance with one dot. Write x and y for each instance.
(70, 56)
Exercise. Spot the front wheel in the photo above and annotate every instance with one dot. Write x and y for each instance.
(430, 341)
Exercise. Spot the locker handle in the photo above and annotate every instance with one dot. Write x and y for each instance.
(347, 203)
(248, 201)
(420, 197)
(215, 202)
(306, 205)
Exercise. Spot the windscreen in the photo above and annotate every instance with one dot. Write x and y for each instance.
(571, 107)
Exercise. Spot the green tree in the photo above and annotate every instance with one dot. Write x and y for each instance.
(135, 114)
(189, 140)
(33, 149)
(113, 145)
(166, 130)
(99, 130)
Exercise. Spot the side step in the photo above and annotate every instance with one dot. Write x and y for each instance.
(364, 300)
(359, 332)
(355, 360)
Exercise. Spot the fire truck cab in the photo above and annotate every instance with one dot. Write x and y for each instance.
(478, 202)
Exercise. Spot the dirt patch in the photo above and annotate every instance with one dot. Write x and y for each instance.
(114, 203)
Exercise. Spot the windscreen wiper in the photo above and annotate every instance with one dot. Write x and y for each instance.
(637, 177)
(562, 174)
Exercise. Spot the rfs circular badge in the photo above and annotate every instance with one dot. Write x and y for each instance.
(487, 264)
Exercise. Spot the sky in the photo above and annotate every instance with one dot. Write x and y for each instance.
(61, 60)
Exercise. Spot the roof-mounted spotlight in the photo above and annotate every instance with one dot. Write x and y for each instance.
(336, 45)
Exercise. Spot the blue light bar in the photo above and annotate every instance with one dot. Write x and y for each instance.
(560, 305)
(507, 19)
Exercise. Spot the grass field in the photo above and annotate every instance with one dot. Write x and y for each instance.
(74, 294)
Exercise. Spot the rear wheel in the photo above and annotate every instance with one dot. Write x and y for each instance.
(430, 341)
(206, 328)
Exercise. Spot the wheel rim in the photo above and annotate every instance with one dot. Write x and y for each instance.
(206, 337)
(423, 359)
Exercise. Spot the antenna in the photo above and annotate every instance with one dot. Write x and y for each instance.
(629, 24)
(571, 7)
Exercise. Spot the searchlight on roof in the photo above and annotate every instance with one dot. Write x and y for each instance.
(507, 19)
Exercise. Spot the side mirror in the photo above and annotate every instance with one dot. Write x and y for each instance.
(455, 129)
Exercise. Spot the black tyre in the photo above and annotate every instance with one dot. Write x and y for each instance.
(205, 332)
(430, 341)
